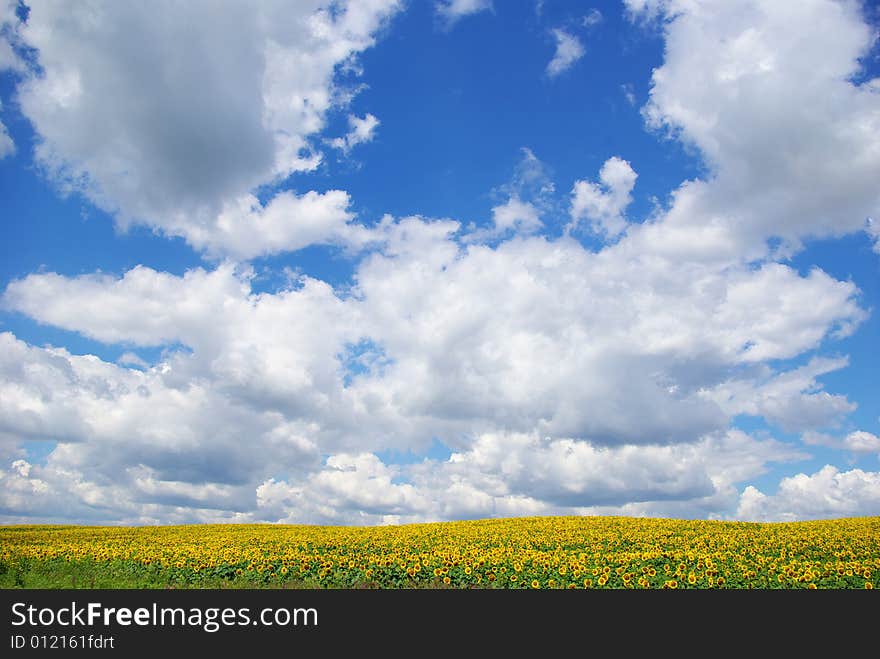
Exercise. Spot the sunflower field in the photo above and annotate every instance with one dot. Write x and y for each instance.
(539, 553)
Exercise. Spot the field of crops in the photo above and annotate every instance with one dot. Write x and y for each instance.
(549, 552)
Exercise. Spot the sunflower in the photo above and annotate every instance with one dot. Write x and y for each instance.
(536, 584)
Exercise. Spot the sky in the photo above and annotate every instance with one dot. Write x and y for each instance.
(387, 261)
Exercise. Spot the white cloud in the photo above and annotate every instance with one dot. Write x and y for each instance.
(171, 115)
(569, 50)
(593, 17)
(130, 439)
(513, 474)
(360, 131)
(763, 90)
(532, 338)
(9, 38)
(791, 399)
(872, 227)
(858, 441)
(528, 195)
(144, 307)
(9, 60)
(826, 494)
(531, 181)
(603, 204)
(7, 146)
(129, 358)
(352, 488)
(516, 215)
(567, 473)
(525, 355)
(246, 228)
(451, 11)
(530, 335)
(861, 441)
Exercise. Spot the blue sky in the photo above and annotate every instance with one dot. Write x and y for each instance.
(403, 261)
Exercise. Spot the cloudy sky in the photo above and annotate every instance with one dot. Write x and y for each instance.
(381, 261)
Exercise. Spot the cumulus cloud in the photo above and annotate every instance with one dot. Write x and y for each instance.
(516, 215)
(170, 115)
(793, 399)
(485, 348)
(873, 229)
(764, 91)
(129, 358)
(129, 439)
(858, 441)
(351, 488)
(861, 441)
(451, 11)
(593, 17)
(360, 132)
(569, 50)
(247, 228)
(7, 146)
(562, 378)
(10, 60)
(827, 493)
(522, 202)
(603, 204)
(547, 339)
(144, 307)
(568, 473)
(524, 474)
